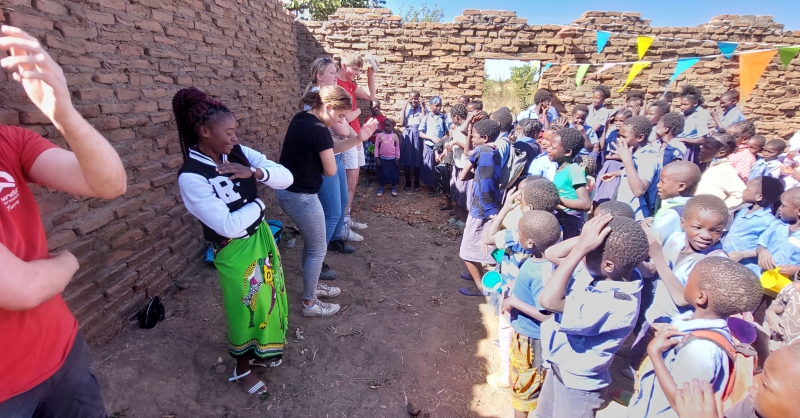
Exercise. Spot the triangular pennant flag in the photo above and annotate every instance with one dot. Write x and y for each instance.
(581, 73)
(751, 66)
(563, 69)
(546, 66)
(727, 48)
(787, 54)
(682, 65)
(602, 39)
(635, 70)
(643, 44)
(602, 69)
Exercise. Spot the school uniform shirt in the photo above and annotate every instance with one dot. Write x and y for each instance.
(730, 117)
(227, 208)
(611, 138)
(742, 160)
(667, 220)
(721, 180)
(542, 166)
(762, 167)
(670, 153)
(598, 316)
(598, 117)
(531, 278)
(700, 359)
(568, 179)
(781, 244)
(514, 255)
(33, 343)
(503, 147)
(485, 186)
(530, 113)
(647, 161)
(744, 233)
(590, 133)
(459, 158)
(664, 309)
(434, 125)
(696, 124)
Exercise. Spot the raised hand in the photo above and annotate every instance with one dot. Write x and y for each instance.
(594, 233)
(41, 77)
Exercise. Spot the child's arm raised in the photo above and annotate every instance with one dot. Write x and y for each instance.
(557, 253)
(638, 185)
(553, 296)
(371, 85)
(674, 286)
(662, 342)
(512, 201)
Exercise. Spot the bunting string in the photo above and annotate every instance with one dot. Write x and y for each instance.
(674, 59)
(669, 38)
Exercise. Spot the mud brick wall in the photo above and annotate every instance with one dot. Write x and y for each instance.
(124, 60)
(448, 58)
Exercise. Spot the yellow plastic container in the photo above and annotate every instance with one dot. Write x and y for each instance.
(774, 281)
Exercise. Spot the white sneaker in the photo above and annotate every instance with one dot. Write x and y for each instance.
(320, 309)
(354, 224)
(350, 235)
(325, 291)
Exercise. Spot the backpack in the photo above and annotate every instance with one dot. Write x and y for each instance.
(513, 167)
(742, 361)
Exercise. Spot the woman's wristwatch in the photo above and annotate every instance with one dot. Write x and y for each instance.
(253, 170)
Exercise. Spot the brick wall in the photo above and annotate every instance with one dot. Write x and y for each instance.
(448, 58)
(124, 60)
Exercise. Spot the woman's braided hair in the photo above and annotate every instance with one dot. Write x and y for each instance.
(192, 108)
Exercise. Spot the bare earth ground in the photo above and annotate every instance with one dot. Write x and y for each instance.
(404, 334)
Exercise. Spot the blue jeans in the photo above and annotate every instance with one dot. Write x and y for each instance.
(333, 196)
(306, 212)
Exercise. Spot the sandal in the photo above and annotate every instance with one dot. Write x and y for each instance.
(274, 363)
(469, 292)
(259, 388)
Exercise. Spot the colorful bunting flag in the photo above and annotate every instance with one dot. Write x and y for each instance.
(635, 70)
(751, 66)
(581, 73)
(602, 39)
(602, 69)
(727, 48)
(683, 65)
(787, 54)
(643, 44)
(564, 69)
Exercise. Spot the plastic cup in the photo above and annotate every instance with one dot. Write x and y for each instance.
(497, 254)
(774, 281)
(492, 282)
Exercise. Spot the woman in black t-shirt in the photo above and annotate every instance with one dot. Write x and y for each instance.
(308, 153)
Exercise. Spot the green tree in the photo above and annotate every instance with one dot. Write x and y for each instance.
(321, 9)
(424, 13)
(522, 80)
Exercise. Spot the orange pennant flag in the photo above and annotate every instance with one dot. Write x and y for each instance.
(751, 67)
(564, 68)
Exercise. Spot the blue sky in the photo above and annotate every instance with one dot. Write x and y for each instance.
(662, 13)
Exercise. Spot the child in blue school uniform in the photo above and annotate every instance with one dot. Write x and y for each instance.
(641, 166)
(594, 295)
(570, 179)
(579, 114)
(538, 231)
(717, 288)
(432, 129)
(667, 129)
(598, 112)
(727, 113)
(779, 246)
(607, 185)
(676, 186)
(542, 109)
(486, 199)
(411, 145)
(542, 165)
(752, 221)
(697, 119)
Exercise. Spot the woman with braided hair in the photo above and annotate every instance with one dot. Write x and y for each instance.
(218, 185)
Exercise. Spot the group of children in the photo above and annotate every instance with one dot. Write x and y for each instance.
(687, 209)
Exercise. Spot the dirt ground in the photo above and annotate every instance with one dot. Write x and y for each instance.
(405, 334)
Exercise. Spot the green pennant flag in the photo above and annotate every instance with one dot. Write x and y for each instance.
(581, 73)
(787, 54)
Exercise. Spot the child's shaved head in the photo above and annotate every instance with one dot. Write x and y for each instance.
(541, 227)
(685, 172)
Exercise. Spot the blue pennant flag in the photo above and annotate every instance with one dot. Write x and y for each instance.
(602, 39)
(727, 48)
(682, 65)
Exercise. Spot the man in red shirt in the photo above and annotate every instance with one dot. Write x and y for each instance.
(349, 70)
(44, 362)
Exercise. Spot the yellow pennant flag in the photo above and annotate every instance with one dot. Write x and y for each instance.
(751, 66)
(635, 70)
(643, 44)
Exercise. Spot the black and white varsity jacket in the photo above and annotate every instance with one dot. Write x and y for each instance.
(228, 208)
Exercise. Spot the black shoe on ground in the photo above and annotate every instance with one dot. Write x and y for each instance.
(327, 273)
(341, 247)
